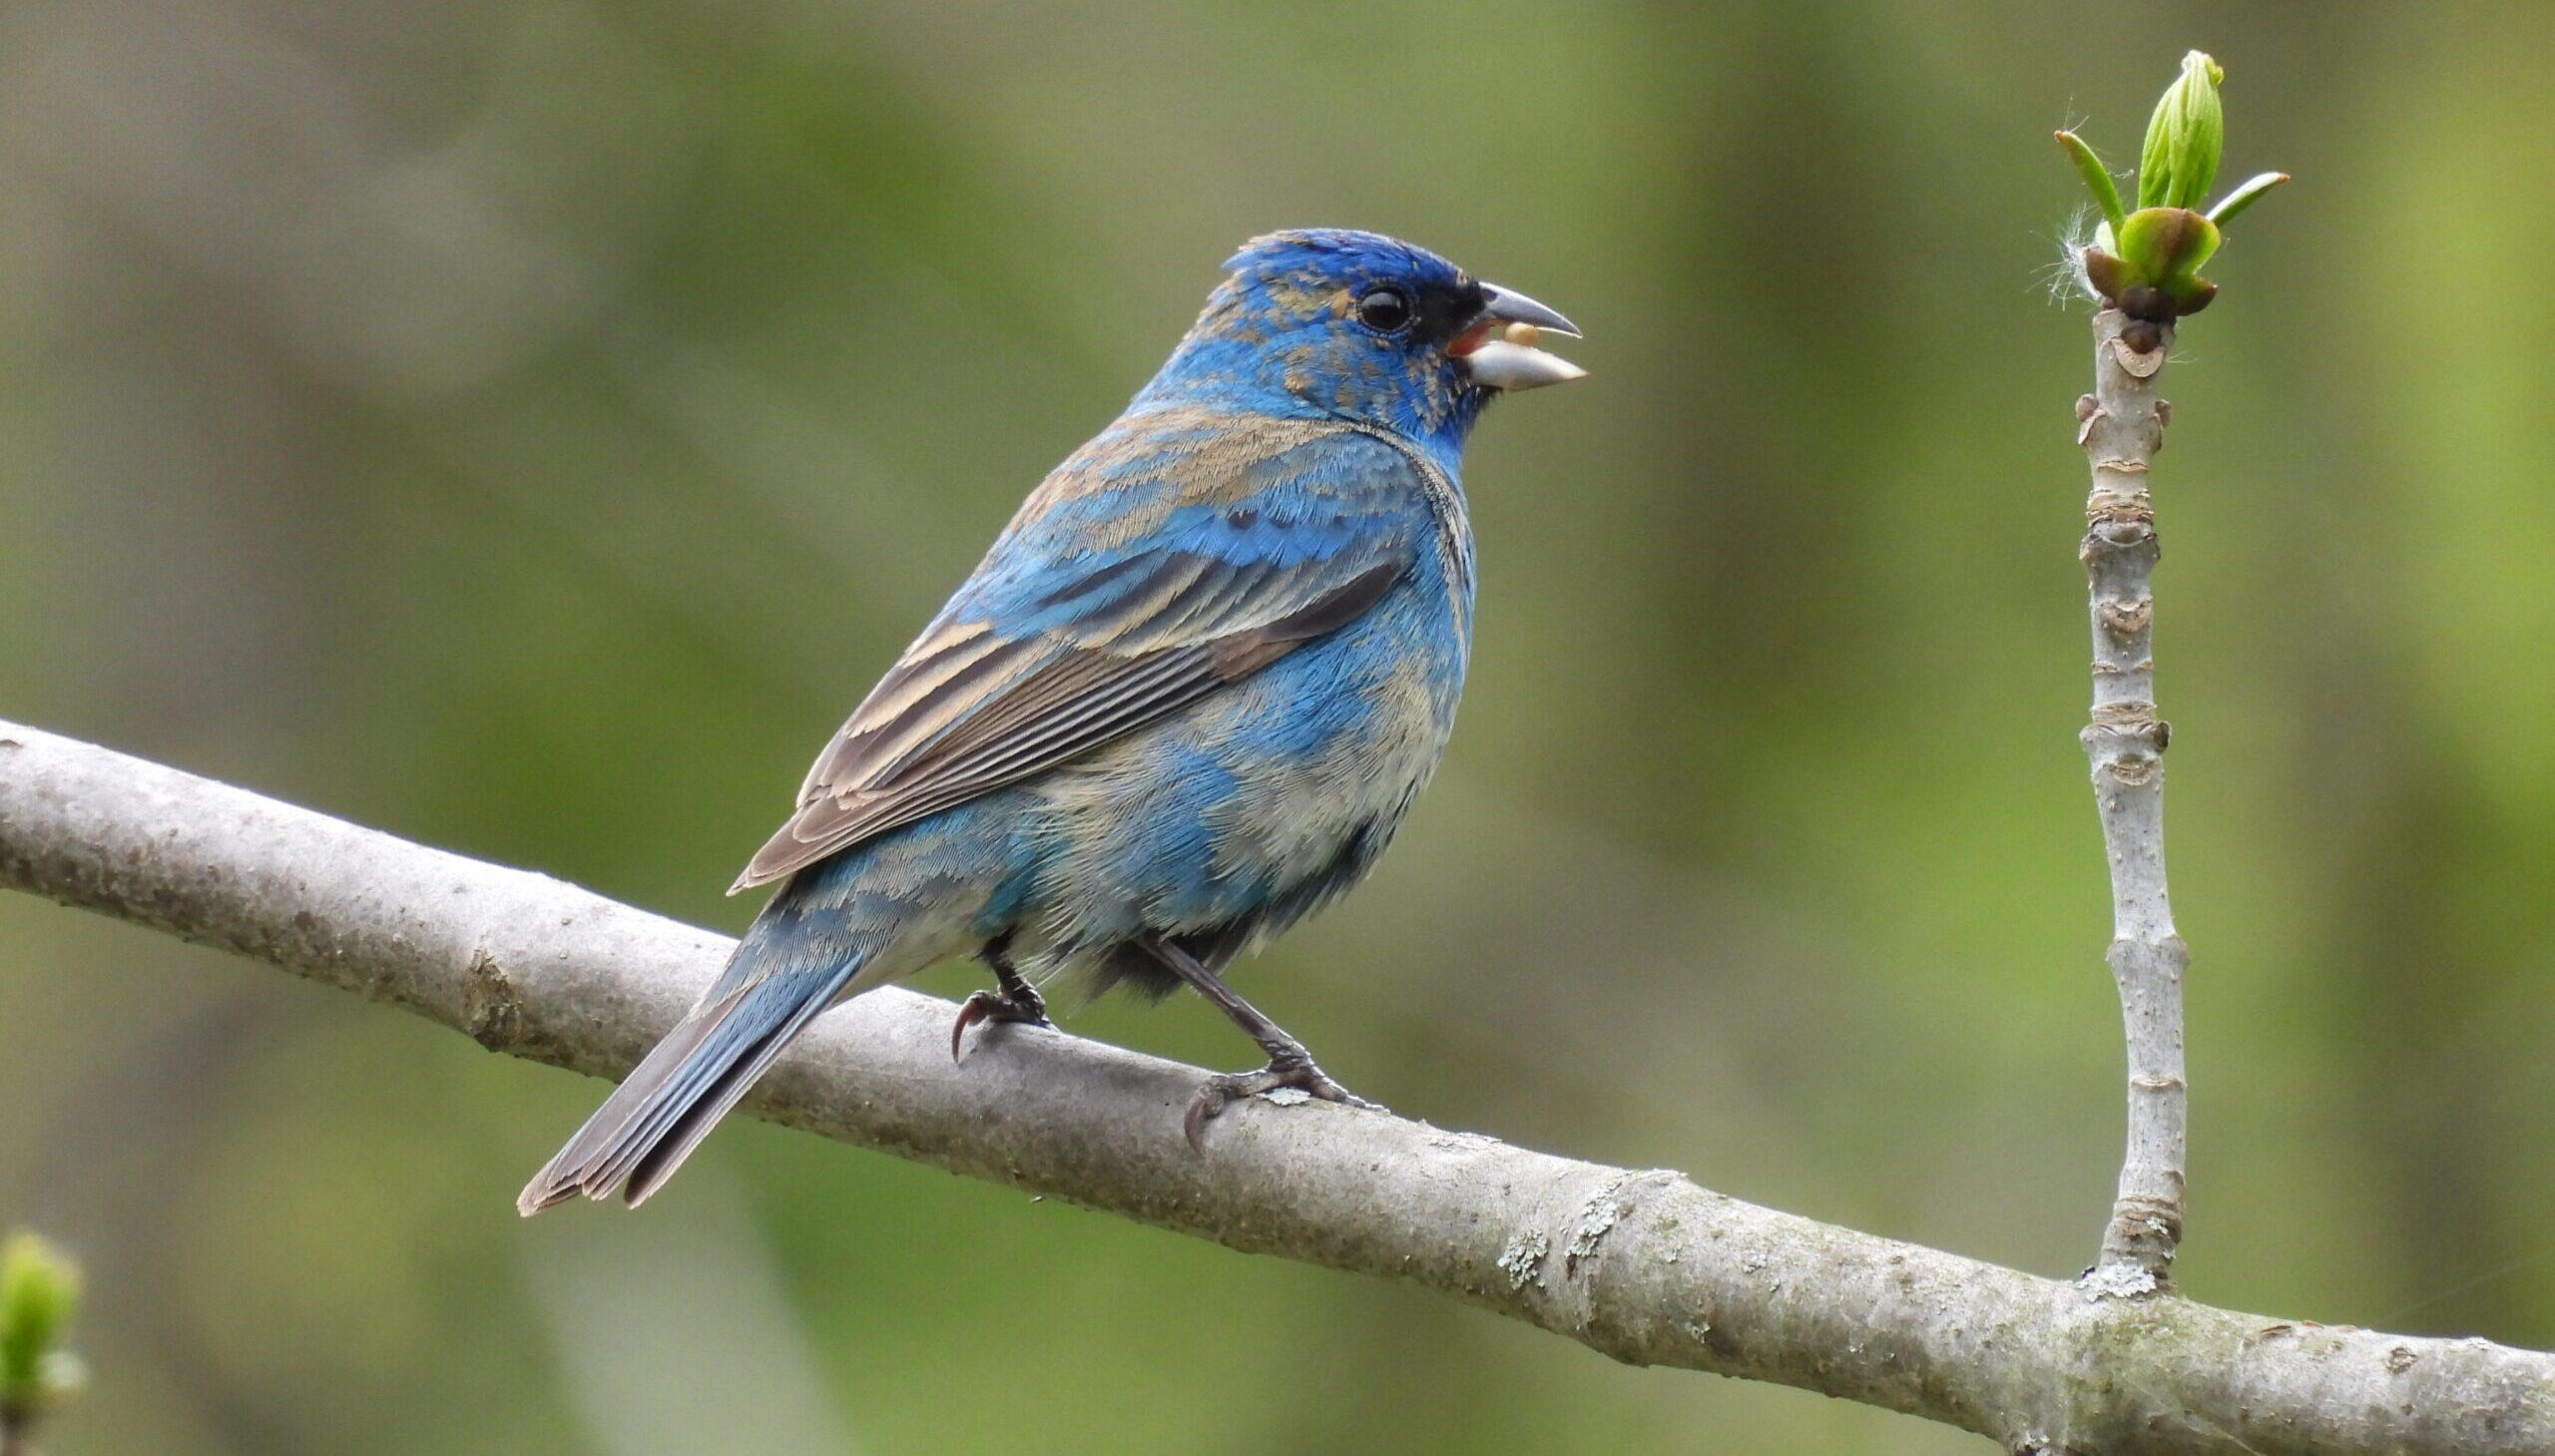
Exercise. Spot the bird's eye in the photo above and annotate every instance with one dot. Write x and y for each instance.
(1385, 311)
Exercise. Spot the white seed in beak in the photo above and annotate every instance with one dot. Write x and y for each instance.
(1524, 335)
(1500, 364)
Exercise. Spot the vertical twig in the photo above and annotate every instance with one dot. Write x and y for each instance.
(2122, 427)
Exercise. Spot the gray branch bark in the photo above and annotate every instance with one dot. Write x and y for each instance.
(2122, 426)
(1641, 1264)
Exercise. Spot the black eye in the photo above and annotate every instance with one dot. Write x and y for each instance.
(1385, 311)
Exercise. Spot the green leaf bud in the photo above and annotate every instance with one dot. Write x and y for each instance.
(2184, 139)
(38, 1294)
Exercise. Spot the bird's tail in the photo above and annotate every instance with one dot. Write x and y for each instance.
(680, 1091)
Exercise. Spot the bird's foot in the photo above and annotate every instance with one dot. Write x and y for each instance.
(1222, 1091)
(1020, 1006)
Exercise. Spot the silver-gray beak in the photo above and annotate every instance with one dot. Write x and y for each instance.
(1509, 359)
(1510, 306)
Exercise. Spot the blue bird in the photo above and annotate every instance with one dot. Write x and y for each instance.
(1184, 699)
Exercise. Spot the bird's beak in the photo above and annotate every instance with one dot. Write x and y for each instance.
(1499, 349)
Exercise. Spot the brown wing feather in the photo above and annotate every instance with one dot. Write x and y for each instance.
(965, 712)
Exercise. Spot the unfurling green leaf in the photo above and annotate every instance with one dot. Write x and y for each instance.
(2185, 138)
(2244, 195)
(2098, 180)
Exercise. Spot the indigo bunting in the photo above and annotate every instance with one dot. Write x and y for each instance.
(1185, 698)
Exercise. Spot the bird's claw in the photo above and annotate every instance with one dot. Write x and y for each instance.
(1222, 1091)
(1020, 1010)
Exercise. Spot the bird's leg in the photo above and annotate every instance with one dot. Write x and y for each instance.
(1015, 1001)
(1290, 1065)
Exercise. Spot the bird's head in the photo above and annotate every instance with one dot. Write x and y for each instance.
(1358, 325)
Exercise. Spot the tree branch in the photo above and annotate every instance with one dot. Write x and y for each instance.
(2122, 426)
(1640, 1264)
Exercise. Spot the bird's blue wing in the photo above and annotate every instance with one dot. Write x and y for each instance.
(1176, 553)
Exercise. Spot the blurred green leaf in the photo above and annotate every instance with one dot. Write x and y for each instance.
(39, 1295)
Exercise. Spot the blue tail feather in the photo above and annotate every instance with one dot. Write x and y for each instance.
(672, 1100)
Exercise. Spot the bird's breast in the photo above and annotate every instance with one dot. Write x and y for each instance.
(1256, 804)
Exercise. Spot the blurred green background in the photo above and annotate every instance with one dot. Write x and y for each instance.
(528, 426)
